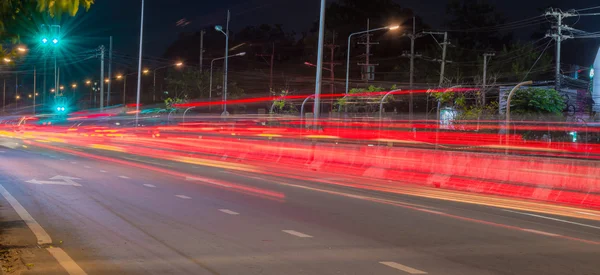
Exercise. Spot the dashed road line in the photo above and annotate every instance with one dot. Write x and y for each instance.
(431, 211)
(183, 197)
(88, 167)
(150, 185)
(73, 162)
(404, 268)
(552, 219)
(227, 211)
(124, 177)
(102, 171)
(297, 234)
(540, 232)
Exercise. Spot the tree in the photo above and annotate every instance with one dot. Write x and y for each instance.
(186, 84)
(14, 12)
(363, 101)
(537, 102)
(516, 62)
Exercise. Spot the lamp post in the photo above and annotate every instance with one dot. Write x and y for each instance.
(211, 72)
(348, 52)
(226, 33)
(178, 64)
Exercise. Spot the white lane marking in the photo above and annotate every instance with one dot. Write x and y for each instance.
(150, 185)
(87, 167)
(183, 197)
(124, 177)
(227, 211)
(587, 213)
(432, 211)
(73, 162)
(2, 151)
(297, 234)
(62, 159)
(207, 181)
(553, 219)
(540, 232)
(35, 227)
(404, 268)
(102, 171)
(65, 261)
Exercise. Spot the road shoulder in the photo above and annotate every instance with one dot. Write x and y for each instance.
(19, 251)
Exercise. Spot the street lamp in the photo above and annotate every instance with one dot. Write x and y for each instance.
(211, 71)
(74, 86)
(88, 82)
(52, 90)
(226, 33)
(7, 60)
(21, 49)
(394, 27)
(146, 71)
(178, 64)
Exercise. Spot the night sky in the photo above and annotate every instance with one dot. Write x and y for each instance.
(120, 18)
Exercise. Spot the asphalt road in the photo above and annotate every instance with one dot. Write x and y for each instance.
(113, 218)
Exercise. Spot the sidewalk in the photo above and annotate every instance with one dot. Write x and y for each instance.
(19, 251)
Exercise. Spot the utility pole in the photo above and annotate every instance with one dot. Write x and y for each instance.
(485, 61)
(445, 44)
(34, 84)
(124, 89)
(44, 85)
(272, 57)
(202, 32)
(101, 78)
(110, 47)
(559, 37)
(443, 61)
(367, 66)
(412, 37)
(332, 65)
(4, 97)
(16, 91)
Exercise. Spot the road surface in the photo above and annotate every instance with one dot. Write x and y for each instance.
(114, 218)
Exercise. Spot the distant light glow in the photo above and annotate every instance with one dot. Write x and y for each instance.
(44, 40)
(55, 41)
(591, 72)
(394, 27)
